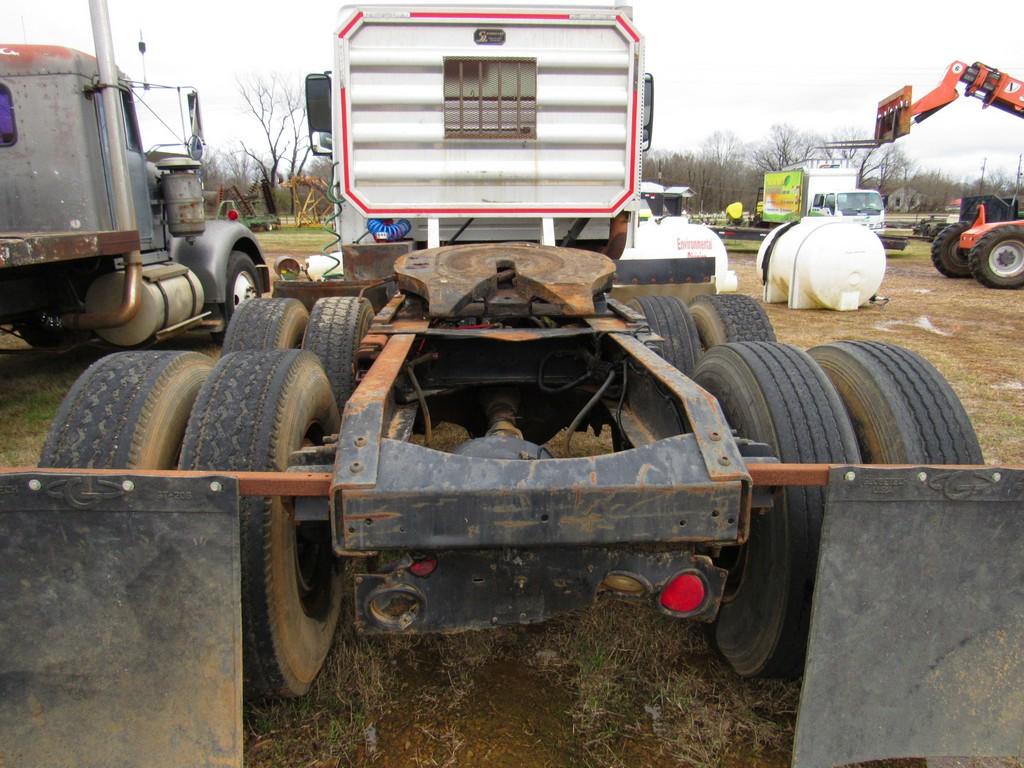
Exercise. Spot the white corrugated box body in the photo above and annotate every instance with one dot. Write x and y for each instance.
(417, 126)
(825, 180)
(674, 237)
(822, 263)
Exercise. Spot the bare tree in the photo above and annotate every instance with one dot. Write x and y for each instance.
(786, 145)
(224, 167)
(277, 104)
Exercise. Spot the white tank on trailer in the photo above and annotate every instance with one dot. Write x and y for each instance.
(821, 263)
(674, 237)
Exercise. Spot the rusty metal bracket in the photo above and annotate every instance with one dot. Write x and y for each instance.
(367, 412)
(427, 499)
(707, 422)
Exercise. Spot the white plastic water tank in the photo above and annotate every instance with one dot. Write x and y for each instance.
(674, 237)
(822, 263)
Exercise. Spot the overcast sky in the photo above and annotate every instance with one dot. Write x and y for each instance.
(818, 65)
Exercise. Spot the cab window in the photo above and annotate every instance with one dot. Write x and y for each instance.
(131, 122)
(8, 134)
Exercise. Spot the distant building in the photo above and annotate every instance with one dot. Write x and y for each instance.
(904, 199)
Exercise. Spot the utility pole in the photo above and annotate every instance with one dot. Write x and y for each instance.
(981, 181)
(1016, 186)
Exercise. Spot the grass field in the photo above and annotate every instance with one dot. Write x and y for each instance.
(615, 685)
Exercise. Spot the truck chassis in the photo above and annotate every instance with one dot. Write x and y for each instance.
(150, 567)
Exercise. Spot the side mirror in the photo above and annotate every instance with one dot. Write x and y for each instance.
(318, 112)
(196, 147)
(318, 102)
(195, 117)
(648, 110)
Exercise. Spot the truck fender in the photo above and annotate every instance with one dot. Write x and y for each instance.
(207, 256)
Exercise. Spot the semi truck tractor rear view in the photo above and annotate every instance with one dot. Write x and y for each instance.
(826, 513)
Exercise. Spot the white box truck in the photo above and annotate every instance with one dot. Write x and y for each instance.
(791, 194)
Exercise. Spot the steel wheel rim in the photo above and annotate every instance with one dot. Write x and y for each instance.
(244, 288)
(1007, 259)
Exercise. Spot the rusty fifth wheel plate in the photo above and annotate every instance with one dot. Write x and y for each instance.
(453, 277)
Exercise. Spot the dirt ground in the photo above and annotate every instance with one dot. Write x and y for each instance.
(615, 685)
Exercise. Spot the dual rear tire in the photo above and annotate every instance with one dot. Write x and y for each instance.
(161, 410)
(842, 403)
(708, 321)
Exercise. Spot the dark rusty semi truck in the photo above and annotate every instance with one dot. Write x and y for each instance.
(186, 537)
(73, 266)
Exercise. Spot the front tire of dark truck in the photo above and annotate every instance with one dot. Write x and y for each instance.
(254, 410)
(242, 284)
(128, 410)
(776, 394)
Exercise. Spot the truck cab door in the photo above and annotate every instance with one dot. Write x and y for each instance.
(818, 206)
(147, 205)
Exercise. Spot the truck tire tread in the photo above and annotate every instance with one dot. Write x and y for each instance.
(266, 323)
(128, 410)
(669, 318)
(249, 416)
(336, 326)
(902, 409)
(777, 394)
(724, 318)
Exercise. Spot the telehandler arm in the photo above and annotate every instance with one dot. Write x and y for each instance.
(994, 88)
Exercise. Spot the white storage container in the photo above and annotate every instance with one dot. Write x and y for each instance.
(822, 263)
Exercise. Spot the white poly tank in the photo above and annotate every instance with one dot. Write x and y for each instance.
(822, 263)
(674, 237)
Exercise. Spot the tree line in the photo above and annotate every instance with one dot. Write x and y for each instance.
(721, 170)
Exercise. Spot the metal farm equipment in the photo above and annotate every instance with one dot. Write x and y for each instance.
(185, 538)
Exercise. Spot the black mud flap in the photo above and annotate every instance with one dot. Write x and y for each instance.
(120, 627)
(917, 633)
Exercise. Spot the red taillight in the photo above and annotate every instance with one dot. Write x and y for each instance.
(423, 568)
(233, 215)
(684, 594)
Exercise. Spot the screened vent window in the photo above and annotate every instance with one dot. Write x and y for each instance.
(7, 133)
(490, 98)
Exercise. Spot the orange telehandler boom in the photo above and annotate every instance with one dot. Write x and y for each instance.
(994, 88)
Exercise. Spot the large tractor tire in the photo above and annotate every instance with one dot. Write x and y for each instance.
(903, 410)
(947, 255)
(260, 324)
(776, 394)
(670, 319)
(127, 410)
(336, 326)
(997, 259)
(725, 318)
(252, 412)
